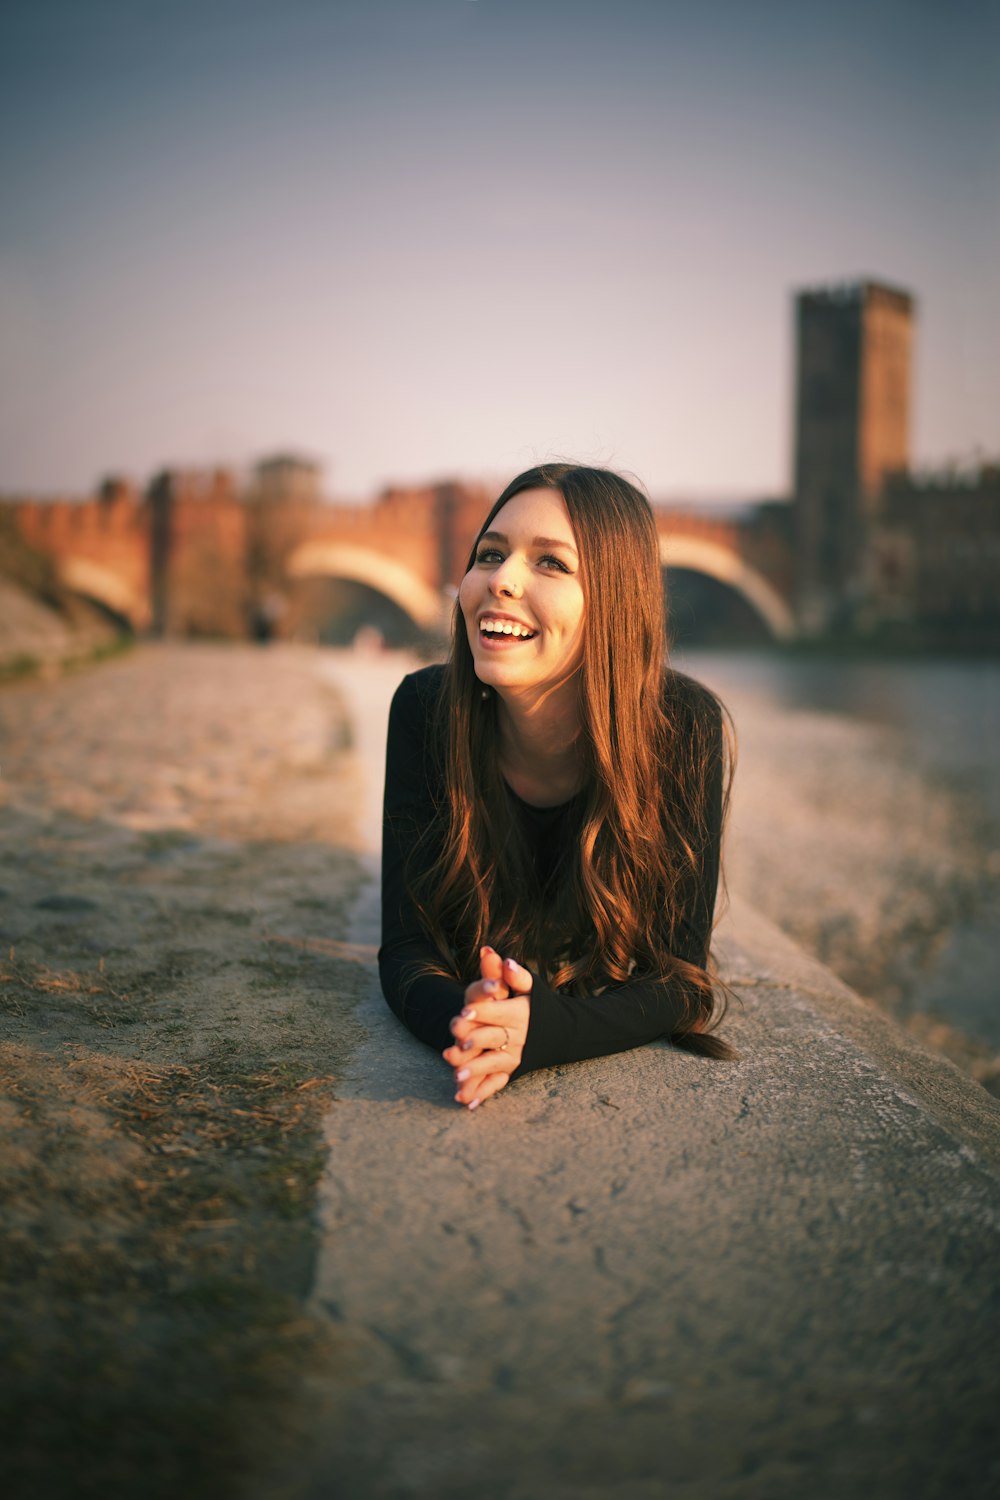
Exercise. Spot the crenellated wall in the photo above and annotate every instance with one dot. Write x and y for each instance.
(201, 553)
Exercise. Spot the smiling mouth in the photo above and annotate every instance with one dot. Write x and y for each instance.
(505, 633)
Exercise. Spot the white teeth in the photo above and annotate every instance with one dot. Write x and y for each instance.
(505, 627)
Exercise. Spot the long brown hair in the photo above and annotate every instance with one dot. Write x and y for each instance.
(638, 850)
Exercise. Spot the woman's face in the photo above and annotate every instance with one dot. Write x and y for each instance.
(526, 574)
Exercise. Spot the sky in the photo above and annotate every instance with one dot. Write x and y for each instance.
(418, 239)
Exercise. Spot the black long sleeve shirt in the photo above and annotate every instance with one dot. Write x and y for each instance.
(562, 1028)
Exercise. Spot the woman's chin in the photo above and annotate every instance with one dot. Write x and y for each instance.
(491, 673)
(510, 665)
(495, 674)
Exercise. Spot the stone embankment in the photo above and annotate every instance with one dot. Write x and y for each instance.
(646, 1275)
(879, 863)
(657, 1275)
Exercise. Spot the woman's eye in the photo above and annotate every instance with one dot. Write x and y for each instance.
(494, 555)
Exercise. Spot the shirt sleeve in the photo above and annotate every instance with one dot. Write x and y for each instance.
(425, 1003)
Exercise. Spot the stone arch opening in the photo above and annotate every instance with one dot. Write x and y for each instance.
(337, 591)
(701, 611)
(343, 612)
(762, 610)
(104, 592)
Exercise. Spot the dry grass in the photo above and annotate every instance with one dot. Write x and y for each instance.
(158, 1235)
(16, 977)
(175, 868)
(155, 1251)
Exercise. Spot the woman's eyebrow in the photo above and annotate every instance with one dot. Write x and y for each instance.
(538, 541)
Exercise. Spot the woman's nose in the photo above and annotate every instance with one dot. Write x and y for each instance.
(505, 581)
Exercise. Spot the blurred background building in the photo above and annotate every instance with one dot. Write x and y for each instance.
(880, 550)
(852, 428)
(863, 549)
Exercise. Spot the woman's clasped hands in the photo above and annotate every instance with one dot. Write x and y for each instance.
(492, 1029)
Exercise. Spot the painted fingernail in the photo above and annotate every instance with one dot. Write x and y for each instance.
(490, 985)
(468, 1014)
(473, 1103)
(462, 1075)
(484, 952)
(511, 963)
(467, 1044)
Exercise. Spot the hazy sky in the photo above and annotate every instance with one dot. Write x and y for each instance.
(416, 238)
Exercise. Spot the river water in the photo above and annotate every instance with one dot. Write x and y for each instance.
(866, 822)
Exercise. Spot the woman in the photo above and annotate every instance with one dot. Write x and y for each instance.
(554, 801)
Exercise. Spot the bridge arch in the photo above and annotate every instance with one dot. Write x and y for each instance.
(423, 604)
(95, 581)
(701, 555)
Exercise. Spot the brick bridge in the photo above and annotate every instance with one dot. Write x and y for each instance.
(200, 554)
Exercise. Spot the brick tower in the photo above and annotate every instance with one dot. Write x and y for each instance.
(852, 420)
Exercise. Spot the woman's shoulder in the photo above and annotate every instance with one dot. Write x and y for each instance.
(413, 719)
(415, 741)
(420, 690)
(425, 681)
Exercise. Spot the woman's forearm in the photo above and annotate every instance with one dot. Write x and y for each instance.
(572, 1028)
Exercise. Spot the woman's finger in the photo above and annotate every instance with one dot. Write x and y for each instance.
(485, 989)
(487, 1087)
(497, 1038)
(471, 1074)
(490, 963)
(488, 1061)
(464, 1026)
(458, 1055)
(516, 977)
(471, 1037)
(512, 1012)
(481, 1039)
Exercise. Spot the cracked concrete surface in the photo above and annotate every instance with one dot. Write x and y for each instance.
(653, 1274)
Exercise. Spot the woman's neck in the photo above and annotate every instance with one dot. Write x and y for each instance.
(540, 752)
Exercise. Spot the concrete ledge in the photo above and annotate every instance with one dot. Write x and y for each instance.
(824, 1018)
(654, 1274)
